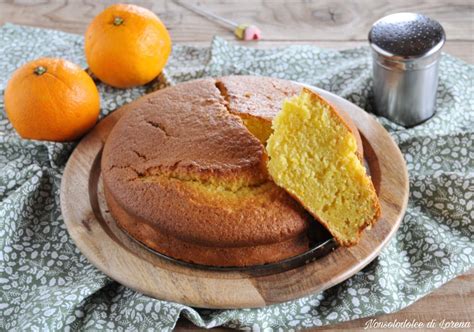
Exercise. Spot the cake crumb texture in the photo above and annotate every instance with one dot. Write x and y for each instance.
(313, 155)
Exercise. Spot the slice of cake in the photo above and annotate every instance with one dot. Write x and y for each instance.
(313, 156)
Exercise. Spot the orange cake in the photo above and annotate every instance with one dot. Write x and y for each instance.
(184, 172)
(313, 155)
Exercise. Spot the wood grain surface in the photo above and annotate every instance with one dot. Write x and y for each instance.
(334, 24)
(452, 302)
(325, 23)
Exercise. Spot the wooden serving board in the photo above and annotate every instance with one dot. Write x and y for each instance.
(118, 256)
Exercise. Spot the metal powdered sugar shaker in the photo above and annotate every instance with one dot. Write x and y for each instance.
(406, 48)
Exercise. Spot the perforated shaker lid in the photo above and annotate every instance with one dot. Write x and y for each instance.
(406, 36)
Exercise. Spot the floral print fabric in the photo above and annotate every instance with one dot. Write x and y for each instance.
(46, 283)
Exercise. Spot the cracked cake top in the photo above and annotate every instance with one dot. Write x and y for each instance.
(189, 134)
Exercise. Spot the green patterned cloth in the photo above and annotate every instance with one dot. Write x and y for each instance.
(46, 283)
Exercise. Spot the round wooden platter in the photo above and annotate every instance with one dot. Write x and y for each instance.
(118, 256)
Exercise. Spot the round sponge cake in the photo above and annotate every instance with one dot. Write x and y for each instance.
(185, 174)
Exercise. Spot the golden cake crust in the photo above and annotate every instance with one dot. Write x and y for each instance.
(192, 252)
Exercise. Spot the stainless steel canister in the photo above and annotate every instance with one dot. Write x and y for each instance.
(406, 49)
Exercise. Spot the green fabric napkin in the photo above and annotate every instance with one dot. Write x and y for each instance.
(46, 283)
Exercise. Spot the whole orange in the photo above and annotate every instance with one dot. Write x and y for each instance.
(126, 46)
(51, 99)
